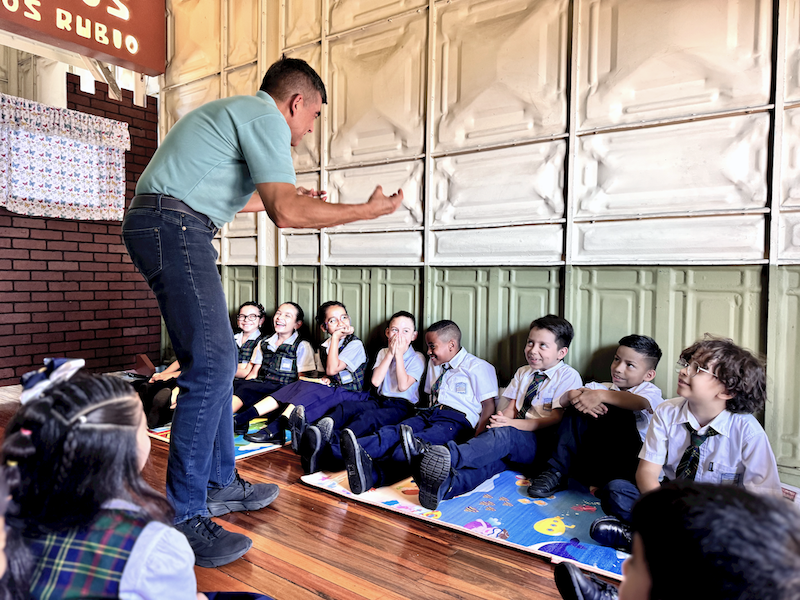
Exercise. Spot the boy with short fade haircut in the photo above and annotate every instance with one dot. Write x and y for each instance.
(396, 374)
(516, 435)
(707, 434)
(604, 424)
(463, 389)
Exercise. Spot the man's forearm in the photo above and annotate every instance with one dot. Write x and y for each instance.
(313, 213)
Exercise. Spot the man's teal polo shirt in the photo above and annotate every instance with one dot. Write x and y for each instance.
(213, 157)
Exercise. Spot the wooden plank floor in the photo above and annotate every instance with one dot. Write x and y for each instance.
(311, 544)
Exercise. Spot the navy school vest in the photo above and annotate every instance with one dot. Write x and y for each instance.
(355, 381)
(279, 366)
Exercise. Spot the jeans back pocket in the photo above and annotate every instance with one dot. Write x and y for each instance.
(144, 246)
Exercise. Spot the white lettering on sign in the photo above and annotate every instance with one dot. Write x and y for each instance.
(32, 13)
(84, 26)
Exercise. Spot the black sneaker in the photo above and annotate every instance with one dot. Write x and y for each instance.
(433, 476)
(213, 546)
(325, 426)
(572, 584)
(310, 446)
(357, 462)
(610, 531)
(413, 447)
(297, 425)
(546, 484)
(240, 495)
(240, 428)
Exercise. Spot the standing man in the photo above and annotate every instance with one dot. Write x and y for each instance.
(205, 171)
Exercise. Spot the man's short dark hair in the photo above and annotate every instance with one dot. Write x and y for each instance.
(403, 313)
(558, 326)
(722, 542)
(289, 76)
(743, 375)
(646, 346)
(446, 330)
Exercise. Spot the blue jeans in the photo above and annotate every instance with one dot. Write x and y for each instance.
(173, 251)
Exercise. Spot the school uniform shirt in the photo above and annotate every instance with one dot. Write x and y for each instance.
(305, 353)
(646, 390)
(561, 378)
(740, 454)
(353, 355)
(239, 339)
(469, 381)
(415, 366)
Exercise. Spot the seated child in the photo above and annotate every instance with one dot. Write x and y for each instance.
(159, 395)
(604, 425)
(698, 541)
(344, 360)
(707, 434)
(514, 435)
(463, 389)
(75, 454)
(396, 376)
(277, 361)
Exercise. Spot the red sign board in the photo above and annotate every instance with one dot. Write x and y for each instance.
(128, 33)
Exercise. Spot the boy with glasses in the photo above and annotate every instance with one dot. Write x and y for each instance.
(708, 434)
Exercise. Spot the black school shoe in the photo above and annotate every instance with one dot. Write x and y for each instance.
(310, 446)
(240, 495)
(546, 484)
(610, 531)
(297, 425)
(572, 584)
(213, 546)
(433, 476)
(413, 447)
(265, 436)
(357, 462)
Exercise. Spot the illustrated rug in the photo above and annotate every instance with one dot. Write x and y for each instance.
(499, 510)
(244, 449)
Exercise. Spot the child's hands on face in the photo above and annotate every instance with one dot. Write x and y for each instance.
(342, 330)
(498, 420)
(590, 402)
(399, 343)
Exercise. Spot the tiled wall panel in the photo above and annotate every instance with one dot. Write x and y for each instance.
(542, 244)
(513, 185)
(301, 285)
(713, 165)
(501, 73)
(180, 100)
(300, 249)
(241, 251)
(306, 153)
(194, 34)
(243, 22)
(241, 285)
(302, 21)
(721, 239)
(792, 81)
(376, 92)
(244, 81)
(390, 248)
(347, 14)
(354, 186)
(648, 59)
(789, 237)
(790, 172)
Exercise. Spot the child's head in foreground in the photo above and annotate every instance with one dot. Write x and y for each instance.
(702, 541)
(635, 361)
(81, 443)
(548, 342)
(716, 369)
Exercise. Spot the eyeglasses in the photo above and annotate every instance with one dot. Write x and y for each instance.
(333, 321)
(691, 368)
(251, 318)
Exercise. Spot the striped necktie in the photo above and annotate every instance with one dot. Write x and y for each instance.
(438, 384)
(687, 468)
(533, 389)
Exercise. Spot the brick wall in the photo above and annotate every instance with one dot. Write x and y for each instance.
(68, 288)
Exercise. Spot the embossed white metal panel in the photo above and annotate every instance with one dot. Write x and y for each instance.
(243, 23)
(300, 249)
(713, 165)
(241, 250)
(195, 40)
(642, 60)
(513, 185)
(792, 81)
(302, 21)
(347, 14)
(181, 100)
(737, 238)
(243, 225)
(354, 186)
(501, 74)
(376, 92)
(790, 172)
(538, 244)
(310, 181)
(790, 237)
(390, 248)
(243, 81)
(306, 153)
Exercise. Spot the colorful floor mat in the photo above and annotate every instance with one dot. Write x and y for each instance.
(244, 449)
(556, 528)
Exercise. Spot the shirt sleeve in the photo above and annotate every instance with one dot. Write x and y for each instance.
(305, 357)
(353, 355)
(484, 381)
(416, 366)
(512, 391)
(265, 143)
(381, 353)
(571, 380)
(651, 393)
(161, 565)
(258, 357)
(656, 442)
(760, 468)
